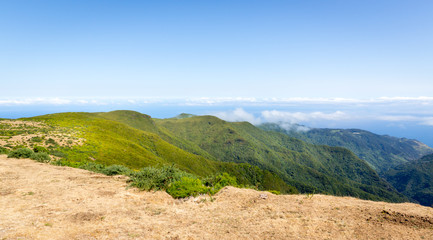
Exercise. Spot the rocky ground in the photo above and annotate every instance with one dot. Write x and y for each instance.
(41, 201)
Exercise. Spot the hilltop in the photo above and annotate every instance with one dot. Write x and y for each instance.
(42, 201)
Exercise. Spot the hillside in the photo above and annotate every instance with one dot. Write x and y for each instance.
(414, 179)
(308, 167)
(380, 151)
(201, 145)
(41, 201)
(76, 139)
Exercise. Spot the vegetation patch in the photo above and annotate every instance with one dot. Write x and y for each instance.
(186, 187)
(21, 153)
(4, 150)
(40, 156)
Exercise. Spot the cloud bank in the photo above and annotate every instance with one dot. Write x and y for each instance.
(307, 111)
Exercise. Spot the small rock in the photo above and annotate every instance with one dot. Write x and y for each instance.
(263, 196)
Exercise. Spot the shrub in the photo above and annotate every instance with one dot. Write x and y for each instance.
(41, 149)
(219, 181)
(91, 166)
(64, 162)
(276, 192)
(4, 150)
(41, 157)
(50, 141)
(21, 153)
(115, 170)
(186, 187)
(58, 154)
(36, 139)
(150, 178)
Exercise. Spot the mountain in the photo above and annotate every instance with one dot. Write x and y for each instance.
(380, 151)
(131, 139)
(414, 179)
(203, 146)
(310, 168)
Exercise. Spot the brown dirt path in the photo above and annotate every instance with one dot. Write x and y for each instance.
(41, 201)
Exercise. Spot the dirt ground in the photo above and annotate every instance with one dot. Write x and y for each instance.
(41, 201)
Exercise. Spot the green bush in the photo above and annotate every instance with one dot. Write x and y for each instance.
(4, 150)
(58, 154)
(115, 170)
(64, 162)
(275, 192)
(91, 166)
(150, 178)
(40, 157)
(187, 187)
(219, 181)
(41, 149)
(21, 153)
(36, 139)
(50, 141)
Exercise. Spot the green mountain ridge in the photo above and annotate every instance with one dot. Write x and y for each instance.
(309, 168)
(114, 142)
(206, 145)
(382, 152)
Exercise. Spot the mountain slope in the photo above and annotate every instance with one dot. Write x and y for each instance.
(414, 179)
(380, 151)
(205, 146)
(308, 167)
(110, 142)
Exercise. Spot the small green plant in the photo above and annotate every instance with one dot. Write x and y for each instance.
(310, 195)
(40, 157)
(4, 150)
(21, 153)
(187, 187)
(274, 192)
(50, 141)
(91, 166)
(37, 149)
(58, 154)
(115, 170)
(36, 139)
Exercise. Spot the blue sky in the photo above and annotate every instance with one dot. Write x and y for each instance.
(351, 49)
(362, 64)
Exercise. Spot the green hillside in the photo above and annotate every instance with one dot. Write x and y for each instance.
(380, 151)
(201, 145)
(414, 179)
(308, 167)
(125, 138)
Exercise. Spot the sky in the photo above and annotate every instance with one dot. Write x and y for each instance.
(337, 63)
(352, 49)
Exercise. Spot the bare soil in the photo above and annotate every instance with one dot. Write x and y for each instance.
(41, 201)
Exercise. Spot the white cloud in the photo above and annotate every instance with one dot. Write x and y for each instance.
(427, 121)
(36, 101)
(398, 118)
(294, 127)
(301, 117)
(238, 115)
